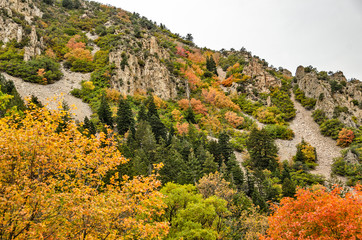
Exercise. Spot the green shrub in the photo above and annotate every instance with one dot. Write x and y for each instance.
(28, 71)
(279, 131)
(331, 128)
(335, 86)
(319, 116)
(306, 102)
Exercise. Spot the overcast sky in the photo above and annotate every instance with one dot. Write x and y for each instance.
(326, 34)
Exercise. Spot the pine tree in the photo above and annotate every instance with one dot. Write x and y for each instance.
(288, 188)
(89, 126)
(142, 116)
(209, 166)
(211, 65)
(224, 146)
(104, 112)
(158, 128)
(190, 116)
(124, 116)
(262, 150)
(62, 125)
(152, 110)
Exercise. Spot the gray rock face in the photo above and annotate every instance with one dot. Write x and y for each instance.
(35, 46)
(328, 101)
(9, 30)
(143, 72)
(263, 79)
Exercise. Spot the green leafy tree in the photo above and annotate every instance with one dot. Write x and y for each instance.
(288, 188)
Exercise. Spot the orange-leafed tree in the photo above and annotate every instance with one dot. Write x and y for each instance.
(52, 185)
(234, 119)
(318, 214)
(345, 137)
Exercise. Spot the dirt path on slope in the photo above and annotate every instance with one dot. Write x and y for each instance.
(60, 89)
(304, 127)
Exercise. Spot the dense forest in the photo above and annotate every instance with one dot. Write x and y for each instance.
(192, 156)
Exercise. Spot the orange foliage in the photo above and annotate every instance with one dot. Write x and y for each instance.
(79, 53)
(139, 95)
(75, 43)
(52, 185)
(182, 128)
(50, 53)
(112, 94)
(234, 119)
(345, 137)
(184, 104)
(181, 51)
(219, 99)
(211, 123)
(192, 78)
(77, 50)
(196, 56)
(228, 82)
(317, 214)
(197, 69)
(215, 185)
(176, 115)
(41, 72)
(198, 107)
(159, 102)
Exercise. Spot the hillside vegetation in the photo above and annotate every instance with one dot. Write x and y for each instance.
(181, 141)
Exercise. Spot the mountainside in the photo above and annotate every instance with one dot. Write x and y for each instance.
(221, 133)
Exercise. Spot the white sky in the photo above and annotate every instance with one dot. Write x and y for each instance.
(326, 34)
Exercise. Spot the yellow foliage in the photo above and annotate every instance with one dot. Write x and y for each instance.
(88, 85)
(176, 115)
(159, 102)
(112, 94)
(51, 185)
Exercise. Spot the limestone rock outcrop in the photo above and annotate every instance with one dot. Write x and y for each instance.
(348, 97)
(263, 79)
(143, 72)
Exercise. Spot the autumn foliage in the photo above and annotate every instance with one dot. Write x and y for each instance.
(345, 137)
(52, 185)
(196, 105)
(318, 214)
(234, 119)
(219, 99)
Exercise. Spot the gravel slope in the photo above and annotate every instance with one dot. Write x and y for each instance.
(60, 90)
(304, 127)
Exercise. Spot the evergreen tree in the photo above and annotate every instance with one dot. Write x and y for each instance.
(211, 65)
(209, 166)
(193, 169)
(190, 116)
(67, 4)
(288, 188)
(142, 116)
(224, 146)
(36, 101)
(262, 150)
(62, 125)
(152, 110)
(124, 117)
(158, 128)
(174, 165)
(104, 112)
(89, 126)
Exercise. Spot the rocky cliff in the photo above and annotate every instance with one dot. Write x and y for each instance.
(17, 23)
(336, 96)
(143, 71)
(263, 80)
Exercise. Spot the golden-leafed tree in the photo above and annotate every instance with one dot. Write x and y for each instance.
(52, 185)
